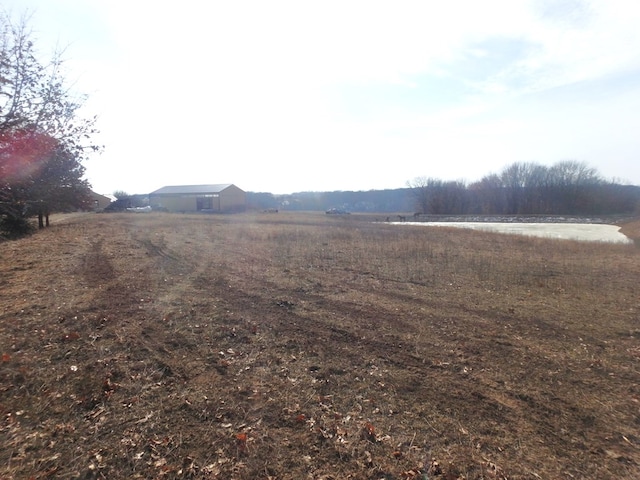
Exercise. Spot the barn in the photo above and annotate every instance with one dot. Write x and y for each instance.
(218, 198)
(98, 202)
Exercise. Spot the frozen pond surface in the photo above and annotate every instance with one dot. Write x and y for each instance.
(567, 231)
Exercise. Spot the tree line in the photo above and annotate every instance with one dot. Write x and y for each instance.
(43, 140)
(393, 200)
(565, 188)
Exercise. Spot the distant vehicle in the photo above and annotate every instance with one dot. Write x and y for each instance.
(337, 211)
(146, 209)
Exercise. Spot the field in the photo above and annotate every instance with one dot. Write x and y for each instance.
(293, 346)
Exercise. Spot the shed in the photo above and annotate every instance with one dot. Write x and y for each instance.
(218, 198)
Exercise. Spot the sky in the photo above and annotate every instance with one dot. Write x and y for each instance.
(289, 96)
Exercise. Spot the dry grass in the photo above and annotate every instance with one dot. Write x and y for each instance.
(307, 346)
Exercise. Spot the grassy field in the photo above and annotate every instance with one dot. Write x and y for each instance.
(291, 346)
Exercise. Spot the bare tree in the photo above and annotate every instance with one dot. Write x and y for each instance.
(438, 196)
(567, 187)
(488, 195)
(420, 193)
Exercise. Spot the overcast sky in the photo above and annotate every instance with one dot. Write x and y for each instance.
(286, 96)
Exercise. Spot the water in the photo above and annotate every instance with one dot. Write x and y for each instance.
(566, 231)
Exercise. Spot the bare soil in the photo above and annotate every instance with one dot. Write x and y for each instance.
(289, 346)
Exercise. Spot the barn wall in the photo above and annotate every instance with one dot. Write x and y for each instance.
(232, 199)
(173, 203)
(100, 202)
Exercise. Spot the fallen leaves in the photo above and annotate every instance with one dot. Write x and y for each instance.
(241, 443)
(369, 432)
(69, 337)
(341, 391)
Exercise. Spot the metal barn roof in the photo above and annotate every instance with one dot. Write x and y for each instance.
(191, 189)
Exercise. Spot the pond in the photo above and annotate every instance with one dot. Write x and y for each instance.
(565, 231)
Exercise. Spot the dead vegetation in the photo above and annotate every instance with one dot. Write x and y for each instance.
(306, 346)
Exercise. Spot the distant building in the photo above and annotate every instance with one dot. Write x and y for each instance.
(220, 198)
(99, 202)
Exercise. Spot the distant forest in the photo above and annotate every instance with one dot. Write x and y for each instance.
(399, 200)
(566, 188)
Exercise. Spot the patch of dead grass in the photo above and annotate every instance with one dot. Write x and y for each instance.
(303, 346)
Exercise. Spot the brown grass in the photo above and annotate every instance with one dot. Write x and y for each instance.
(307, 346)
